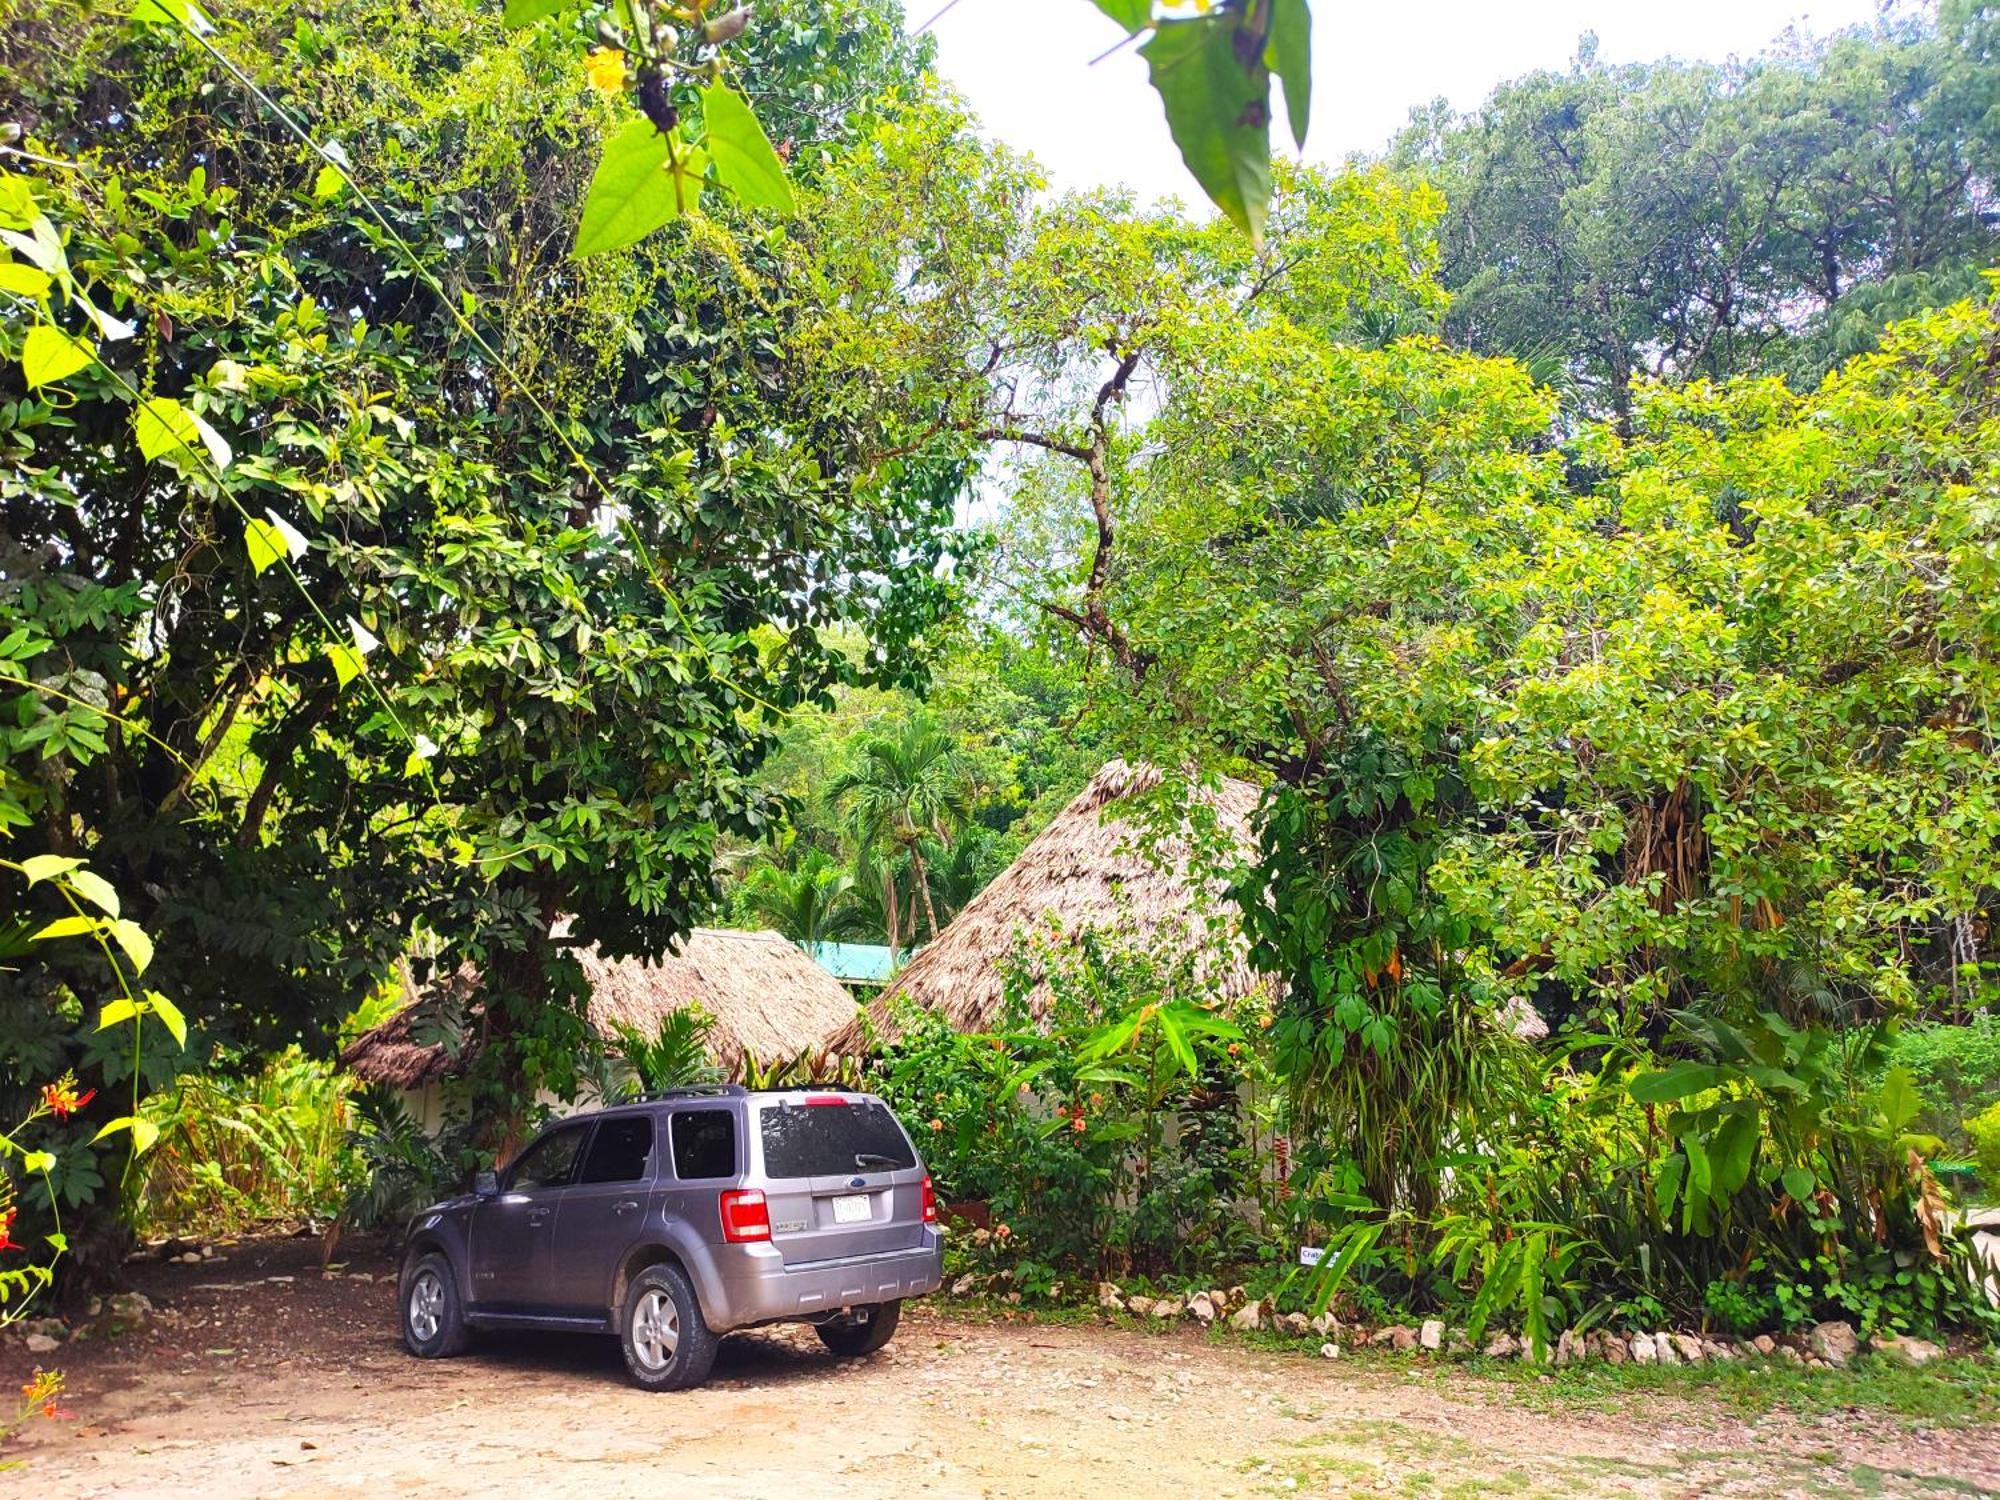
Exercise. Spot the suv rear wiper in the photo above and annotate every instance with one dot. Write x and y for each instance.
(875, 1159)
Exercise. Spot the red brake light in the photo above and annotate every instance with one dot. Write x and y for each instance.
(745, 1217)
(813, 1099)
(930, 1202)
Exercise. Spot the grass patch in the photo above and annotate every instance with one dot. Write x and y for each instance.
(1948, 1393)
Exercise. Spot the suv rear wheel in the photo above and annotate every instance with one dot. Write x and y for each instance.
(433, 1322)
(865, 1331)
(667, 1345)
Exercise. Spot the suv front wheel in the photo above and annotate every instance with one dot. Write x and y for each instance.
(667, 1345)
(865, 1331)
(433, 1322)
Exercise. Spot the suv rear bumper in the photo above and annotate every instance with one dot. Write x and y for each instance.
(758, 1287)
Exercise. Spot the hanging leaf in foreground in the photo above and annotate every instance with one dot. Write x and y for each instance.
(645, 180)
(744, 159)
(1210, 74)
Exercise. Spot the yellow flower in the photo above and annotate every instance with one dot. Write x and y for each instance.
(606, 69)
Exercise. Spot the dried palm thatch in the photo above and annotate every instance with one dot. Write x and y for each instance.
(1087, 869)
(767, 997)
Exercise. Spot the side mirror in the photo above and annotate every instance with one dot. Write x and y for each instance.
(486, 1184)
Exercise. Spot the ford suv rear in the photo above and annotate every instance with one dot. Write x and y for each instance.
(681, 1216)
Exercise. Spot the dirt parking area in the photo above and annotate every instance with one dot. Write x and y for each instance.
(258, 1376)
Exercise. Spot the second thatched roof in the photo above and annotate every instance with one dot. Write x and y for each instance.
(767, 997)
(1087, 869)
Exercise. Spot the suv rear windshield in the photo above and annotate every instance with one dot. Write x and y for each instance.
(828, 1140)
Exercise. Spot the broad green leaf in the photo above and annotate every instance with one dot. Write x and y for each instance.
(144, 1132)
(346, 662)
(1734, 1145)
(527, 12)
(1798, 1182)
(164, 427)
(1177, 1043)
(328, 183)
(1133, 15)
(138, 947)
(1288, 53)
(266, 544)
(95, 889)
(1667, 1184)
(425, 748)
(116, 1011)
(744, 160)
(58, 1240)
(40, 867)
(49, 355)
(23, 281)
(1218, 111)
(172, 13)
(169, 1014)
(38, 1161)
(63, 927)
(633, 192)
(294, 539)
(1676, 1082)
(1898, 1098)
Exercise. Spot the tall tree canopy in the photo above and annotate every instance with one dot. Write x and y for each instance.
(1695, 219)
(502, 569)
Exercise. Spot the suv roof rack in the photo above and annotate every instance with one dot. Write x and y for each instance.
(692, 1091)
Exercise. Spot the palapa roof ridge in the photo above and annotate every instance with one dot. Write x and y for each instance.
(767, 996)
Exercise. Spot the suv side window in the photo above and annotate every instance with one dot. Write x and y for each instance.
(550, 1161)
(704, 1143)
(620, 1149)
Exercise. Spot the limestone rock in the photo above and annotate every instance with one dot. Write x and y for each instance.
(1570, 1348)
(1248, 1318)
(1644, 1350)
(41, 1343)
(1664, 1350)
(1325, 1324)
(1431, 1335)
(1689, 1348)
(1403, 1339)
(1905, 1351)
(1202, 1306)
(1295, 1324)
(1329, 1350)
(1835, 1342)
(1765, 1345)
(1108, 1297)
(1502, 1346)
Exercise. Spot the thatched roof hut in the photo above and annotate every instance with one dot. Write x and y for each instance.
(1087, 869)
(768, 998)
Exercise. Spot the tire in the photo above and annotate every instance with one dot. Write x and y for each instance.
(432, 1317)
(868, 1330)
(667, 1345)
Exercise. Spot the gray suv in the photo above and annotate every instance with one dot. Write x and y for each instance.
(678, 1217)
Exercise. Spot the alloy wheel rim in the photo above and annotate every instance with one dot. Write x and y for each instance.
(656, 1330)
(426, 1306)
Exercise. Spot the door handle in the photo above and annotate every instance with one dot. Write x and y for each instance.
(624, 1205)
(537, 1216)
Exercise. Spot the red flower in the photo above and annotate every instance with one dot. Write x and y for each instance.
(7, 1240)
(61, 1098)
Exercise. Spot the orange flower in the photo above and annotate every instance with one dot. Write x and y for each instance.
(41, 1392)
(605, 68)
(1096, 1101)
(1077, 1124)
(61, 1098)
(1001, 1231)
(937, 1125)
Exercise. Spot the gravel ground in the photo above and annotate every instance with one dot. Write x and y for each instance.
(260, 1377)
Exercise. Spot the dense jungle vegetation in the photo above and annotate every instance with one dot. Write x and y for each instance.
(1582, 523)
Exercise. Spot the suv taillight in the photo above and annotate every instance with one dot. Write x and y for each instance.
(745, 1216)
(930, 1202)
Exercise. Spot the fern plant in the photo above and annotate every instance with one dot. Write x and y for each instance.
(675, 1056)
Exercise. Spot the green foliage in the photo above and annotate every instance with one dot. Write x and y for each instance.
(241, 1149)
(402, 1166)
(1100, 1125)
(430, 586)
(1984, 1131)
(1955, 1070)
(674, 1056)
(1692, 220)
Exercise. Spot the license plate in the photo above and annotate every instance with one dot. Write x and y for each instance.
(853, 1209)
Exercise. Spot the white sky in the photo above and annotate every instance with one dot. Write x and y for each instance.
(1024, 66)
